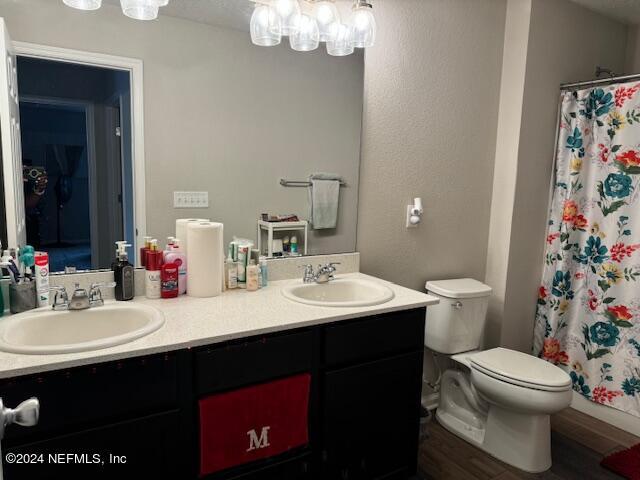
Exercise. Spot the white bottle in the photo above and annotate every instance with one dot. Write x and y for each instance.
(252, 277)
(231, 273)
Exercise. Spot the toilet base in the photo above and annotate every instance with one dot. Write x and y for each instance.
(522, 440)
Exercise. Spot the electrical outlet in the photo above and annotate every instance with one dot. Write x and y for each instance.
(190, 199)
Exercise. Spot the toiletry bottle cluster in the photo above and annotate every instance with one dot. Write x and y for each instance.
(244, 267)
(28, 272)
(165, 270)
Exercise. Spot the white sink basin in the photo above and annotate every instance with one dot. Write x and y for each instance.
(340, 293)
(44, 331)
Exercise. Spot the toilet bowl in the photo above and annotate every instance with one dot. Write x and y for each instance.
(500, 400)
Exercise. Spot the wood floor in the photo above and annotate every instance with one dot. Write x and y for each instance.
(579, 442)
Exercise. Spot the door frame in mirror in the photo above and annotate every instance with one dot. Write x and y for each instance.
(136, 76)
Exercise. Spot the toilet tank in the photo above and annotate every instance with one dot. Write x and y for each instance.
(456, 324)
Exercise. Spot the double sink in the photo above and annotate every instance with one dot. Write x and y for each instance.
(45, 332)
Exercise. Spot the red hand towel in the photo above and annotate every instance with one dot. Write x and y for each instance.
(253, 423)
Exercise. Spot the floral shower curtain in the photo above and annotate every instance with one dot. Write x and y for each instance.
(588, 316)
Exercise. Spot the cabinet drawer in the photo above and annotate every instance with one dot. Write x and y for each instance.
(296, 469)
(85, 396)
(374, 337)
(255, 361)
(146, 448)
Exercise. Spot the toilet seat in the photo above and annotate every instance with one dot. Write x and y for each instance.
(520, 369)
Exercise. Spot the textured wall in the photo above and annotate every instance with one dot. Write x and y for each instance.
(222, 115)
(431, 103)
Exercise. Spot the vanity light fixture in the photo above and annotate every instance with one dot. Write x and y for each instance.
(136, 9)
(326, 14)
(84, 4)
(309, 22)
(307, 37)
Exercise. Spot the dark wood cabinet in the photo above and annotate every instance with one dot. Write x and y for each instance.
(370, 423)
(363, 421)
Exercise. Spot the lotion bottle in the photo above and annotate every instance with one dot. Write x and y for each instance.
(123, 273)
(152, 281)
(143, 251)
(252, 276)
(231, 273)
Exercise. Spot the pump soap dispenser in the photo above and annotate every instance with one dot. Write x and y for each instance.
(123, 273)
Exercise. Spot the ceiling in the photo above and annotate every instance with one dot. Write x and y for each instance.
(223, 13)
(626, 11)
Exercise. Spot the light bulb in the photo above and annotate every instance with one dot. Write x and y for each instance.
(140, 9)
(340, 44)
(84, 4)
(289, 13)
(326, 14)
(363, 29)
(265, 26)
(307, 37)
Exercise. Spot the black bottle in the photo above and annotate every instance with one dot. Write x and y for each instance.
(123, 273)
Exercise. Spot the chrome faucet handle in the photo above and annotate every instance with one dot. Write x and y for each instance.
(95, 294)
(26, 414)
(325, 272)
(309, 275)
(63, 303)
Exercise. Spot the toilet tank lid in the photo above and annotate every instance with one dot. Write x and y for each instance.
(459, 288)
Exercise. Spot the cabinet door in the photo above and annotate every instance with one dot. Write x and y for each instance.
(145, 448)
(371, 419)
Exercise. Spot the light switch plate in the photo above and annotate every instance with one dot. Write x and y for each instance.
(190, 199)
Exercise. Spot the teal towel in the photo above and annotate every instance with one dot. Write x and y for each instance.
(324, 198)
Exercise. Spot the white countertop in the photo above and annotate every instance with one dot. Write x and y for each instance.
(193, 322)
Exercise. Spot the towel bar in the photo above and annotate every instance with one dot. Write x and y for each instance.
(300, 183)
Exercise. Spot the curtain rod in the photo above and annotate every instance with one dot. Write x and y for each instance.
(603, 81)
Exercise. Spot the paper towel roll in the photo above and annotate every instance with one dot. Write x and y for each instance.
(181, 230)
(205, 258)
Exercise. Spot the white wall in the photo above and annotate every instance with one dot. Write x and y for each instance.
(222, 115)
(431, 106)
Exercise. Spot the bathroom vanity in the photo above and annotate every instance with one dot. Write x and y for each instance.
(142, 403)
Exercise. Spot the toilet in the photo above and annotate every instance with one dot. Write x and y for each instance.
(499, 400)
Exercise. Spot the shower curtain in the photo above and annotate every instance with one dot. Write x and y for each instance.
(588, 315)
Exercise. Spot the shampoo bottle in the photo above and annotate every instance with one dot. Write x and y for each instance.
(252, 277)
(143, 251)
(123, 273)
(152, 281)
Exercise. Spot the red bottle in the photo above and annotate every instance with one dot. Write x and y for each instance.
(169, 280)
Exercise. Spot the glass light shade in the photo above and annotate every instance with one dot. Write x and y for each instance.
(307, 37)
(326, 14)
(363, 29)
(289, 13)
(84, 4)
(340, 44)
(265, 26)
(140, 9)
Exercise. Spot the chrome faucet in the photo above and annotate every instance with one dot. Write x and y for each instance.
(81, 299)
(323, 275)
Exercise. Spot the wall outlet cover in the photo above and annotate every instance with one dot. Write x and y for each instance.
(190, 199)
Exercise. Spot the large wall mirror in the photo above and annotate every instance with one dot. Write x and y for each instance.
(126, 126)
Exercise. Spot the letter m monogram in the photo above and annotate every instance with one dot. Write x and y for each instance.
(257, 442)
